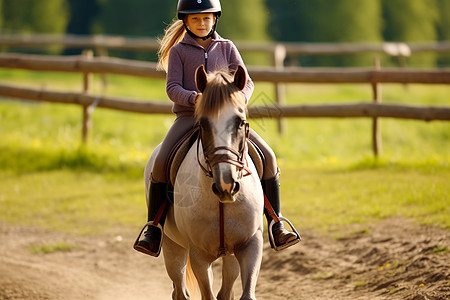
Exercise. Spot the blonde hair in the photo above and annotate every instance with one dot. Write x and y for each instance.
(173, 34)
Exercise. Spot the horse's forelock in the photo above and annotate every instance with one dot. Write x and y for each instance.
(219, 91)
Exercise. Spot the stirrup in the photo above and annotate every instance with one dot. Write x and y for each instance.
(285, 245)
(143, 250)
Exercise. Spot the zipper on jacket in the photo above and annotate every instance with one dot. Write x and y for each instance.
(206, 61)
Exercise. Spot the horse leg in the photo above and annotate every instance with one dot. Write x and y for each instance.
(249, 258)
(230, 271)
(175, 259)
(201, 266)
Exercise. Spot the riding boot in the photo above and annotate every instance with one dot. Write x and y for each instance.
(282, 238)
(152, 241)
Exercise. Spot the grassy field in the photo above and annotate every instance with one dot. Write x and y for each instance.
(329, 177)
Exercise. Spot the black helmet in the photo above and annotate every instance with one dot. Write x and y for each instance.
(186, 7)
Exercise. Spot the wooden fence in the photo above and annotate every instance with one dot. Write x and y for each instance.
(88, 64)
(106, 65)
(102, 43)
(278, 50)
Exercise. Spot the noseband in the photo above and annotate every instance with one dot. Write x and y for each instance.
(233, 157)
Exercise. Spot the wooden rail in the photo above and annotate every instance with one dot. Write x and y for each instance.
(268, 74)
(122, 104)
(279, 50)
(87, 64)
(342, 110)
(151, 44)
(81, 64)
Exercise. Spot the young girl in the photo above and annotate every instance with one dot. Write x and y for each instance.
(180, 55)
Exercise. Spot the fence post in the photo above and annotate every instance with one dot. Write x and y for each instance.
(279, 56)
(376, 133)
(87, 78)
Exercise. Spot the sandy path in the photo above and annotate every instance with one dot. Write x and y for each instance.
(393, 259)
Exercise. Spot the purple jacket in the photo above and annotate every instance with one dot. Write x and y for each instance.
(184, 59)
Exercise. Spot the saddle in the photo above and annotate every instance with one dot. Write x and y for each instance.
(179, 151)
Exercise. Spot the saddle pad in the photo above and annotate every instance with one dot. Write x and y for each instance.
(257, 157)
(179, 152)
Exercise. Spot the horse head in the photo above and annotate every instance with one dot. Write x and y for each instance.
(221, 113)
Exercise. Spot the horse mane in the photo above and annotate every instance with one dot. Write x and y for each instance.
(219, 91)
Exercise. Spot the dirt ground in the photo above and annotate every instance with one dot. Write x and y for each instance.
(392, 259)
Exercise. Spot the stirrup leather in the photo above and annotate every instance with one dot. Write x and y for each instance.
(148, 224)
(285, 245)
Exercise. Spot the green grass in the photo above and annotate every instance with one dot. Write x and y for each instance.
(360, 284)
(322, 276)
(325, 198)
(80, 202)
(440, 250)
(329, 177)
(51, 248)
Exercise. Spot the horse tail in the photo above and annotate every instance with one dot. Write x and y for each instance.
(191, 281)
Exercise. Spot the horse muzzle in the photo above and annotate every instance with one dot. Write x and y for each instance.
(225, 187)
(226, 196)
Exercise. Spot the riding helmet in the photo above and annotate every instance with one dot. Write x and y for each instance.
(186, 7)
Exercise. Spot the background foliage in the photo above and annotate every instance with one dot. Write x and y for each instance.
(280, 20)
(30, 16)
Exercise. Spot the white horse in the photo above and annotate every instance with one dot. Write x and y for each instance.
(216, 170)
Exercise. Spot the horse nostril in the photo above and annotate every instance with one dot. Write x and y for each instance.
(236, 188)
(214, 189)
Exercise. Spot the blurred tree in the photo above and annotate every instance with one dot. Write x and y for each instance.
(245, 21)
(327, 21)
(412, 21)
(136, 18)
(1, 17)
(82, 17)
(31, 16)
(284, 20)
(340, 20)
(444, 30)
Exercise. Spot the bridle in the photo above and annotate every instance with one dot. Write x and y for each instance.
(233, 157)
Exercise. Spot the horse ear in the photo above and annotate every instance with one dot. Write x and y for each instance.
(240, 77)
(200, 78)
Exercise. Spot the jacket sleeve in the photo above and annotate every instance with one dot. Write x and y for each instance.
(235, 60)
(174, 83)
